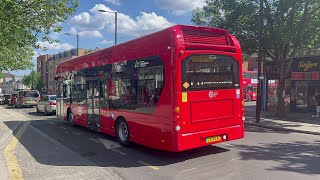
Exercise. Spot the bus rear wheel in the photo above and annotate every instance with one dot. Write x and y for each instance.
(122, 132)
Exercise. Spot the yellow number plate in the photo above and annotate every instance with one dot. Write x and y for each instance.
(213, 139)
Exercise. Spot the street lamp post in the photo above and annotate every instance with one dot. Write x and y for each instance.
(77, 35)
(115, 23)
(259, 88)
(32, 78)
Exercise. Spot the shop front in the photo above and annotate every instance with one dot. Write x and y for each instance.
(305, 81)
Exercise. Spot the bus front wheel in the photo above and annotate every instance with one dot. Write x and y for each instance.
(122, 132)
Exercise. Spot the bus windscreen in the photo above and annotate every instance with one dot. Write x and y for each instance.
(204, 72)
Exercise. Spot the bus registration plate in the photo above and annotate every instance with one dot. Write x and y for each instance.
(213, 139)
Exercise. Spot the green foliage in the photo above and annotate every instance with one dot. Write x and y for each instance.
(88, 51)
(23, 23)
(289, 25)
(40, 84)
(32, 80)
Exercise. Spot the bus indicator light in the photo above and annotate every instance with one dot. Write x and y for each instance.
(184, 97)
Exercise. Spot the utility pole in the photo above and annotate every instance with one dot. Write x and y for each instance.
(115, 26)
(77, 45)
(259, 88)
(32, 78)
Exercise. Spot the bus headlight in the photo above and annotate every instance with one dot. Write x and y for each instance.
(224, 137)
(178, 128)
(243, 118)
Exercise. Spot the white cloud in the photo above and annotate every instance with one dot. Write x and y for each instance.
(73, 31)
(90, 34)
(54, 35)
(180, 7)
(86, 22)
(55, 45)
(105, 42)
(143, 24)
(114, 2)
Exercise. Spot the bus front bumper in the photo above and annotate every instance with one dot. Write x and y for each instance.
(208, 137)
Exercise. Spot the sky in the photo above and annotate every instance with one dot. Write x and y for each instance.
(135, 18)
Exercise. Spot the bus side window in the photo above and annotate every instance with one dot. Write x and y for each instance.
(149, 81)
(64, 90)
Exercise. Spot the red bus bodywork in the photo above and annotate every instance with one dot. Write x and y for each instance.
(250, 83)
(182, 119)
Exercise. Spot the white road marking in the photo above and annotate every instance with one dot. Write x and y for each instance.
(120, 152)
(109, 144)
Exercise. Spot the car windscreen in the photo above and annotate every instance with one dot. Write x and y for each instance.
(209, 71)
(31, 94)
(53, 97)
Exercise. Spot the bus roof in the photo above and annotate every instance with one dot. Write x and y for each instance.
(180, 37)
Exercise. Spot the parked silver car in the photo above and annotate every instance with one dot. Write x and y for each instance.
(1, 99)
(47, 104)
(27, 98)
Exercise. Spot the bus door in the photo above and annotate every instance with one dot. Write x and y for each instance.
(93, 103)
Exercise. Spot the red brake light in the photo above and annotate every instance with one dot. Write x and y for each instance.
(52, 103)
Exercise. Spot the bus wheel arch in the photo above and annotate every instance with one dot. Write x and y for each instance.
(122, 131)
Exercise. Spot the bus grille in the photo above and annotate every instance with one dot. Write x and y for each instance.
(205, 37)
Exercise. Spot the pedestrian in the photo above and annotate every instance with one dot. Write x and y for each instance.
(293, 100)
(316, 98)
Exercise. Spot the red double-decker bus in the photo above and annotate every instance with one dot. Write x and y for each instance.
(176, 89)
(250, 82)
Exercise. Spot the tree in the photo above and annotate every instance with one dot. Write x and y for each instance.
(23, 23)
(88, 51)
(289, 25)
(32, 80)
(40, 84)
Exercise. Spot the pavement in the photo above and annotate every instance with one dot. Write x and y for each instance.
(293, 122)
(28, 153)
(9, 122)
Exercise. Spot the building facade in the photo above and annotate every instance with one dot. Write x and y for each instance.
(52, 63)
(250, 63)
(42, 69)
(11, 82)
(305, 81)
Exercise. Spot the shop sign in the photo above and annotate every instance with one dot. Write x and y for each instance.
(305, 76)
(306, 64)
